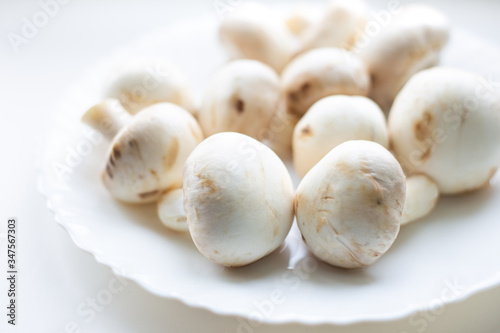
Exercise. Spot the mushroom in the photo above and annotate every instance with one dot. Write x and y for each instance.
(147, 156)
(238, 198)
(411, 41)
(242, 97)
(339, 26)
(320, 73)
(349, 205)
(252, 31)
(145, 81)
(332, 121)
(171, 210)
(301, 19)
(445, 123)
(422, 195)
(107, 117)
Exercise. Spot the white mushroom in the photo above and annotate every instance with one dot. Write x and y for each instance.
(445, 123)
(171, 210)
(339, 26)
(147, 156)
(412, 41)
(145, 81)
(320, 73)
(301, 19)
(422, 195)
(252, 31)
(332, 121)
(242, 97)
(238, 198)
(107, 117)
(349, 205)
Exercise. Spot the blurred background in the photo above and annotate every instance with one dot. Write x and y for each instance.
(55, 277)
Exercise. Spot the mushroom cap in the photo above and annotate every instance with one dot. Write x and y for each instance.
(323, 72)
(252, 31)
(349, 205)
(143, 81)
(301, 18)
(147, 156)
(422, 195)
(412, 41)
(332, 121)
(238, 198)
(339, 26)
(242, 97)
(171, 210)
(445, 123)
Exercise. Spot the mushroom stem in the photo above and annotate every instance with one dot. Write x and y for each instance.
(107, 117)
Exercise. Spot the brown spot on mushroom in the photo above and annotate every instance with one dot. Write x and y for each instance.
(425, 154)
(171, 156)
(116, 151)
(422, 128)
(240, 106)
(305, 132)
(322, 222)
(304, 88)
(145, 195)
(111, 160)
(132, 143)
(108, 171)
(209, 185)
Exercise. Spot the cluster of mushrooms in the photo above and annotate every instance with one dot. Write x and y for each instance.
(376, 132)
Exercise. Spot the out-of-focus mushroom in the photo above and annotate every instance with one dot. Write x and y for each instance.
(251, 31)
(320, 73)
(242, 97)
(141, 82)
(412, 41)
(340, 25)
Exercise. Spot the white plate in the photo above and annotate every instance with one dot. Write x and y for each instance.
(444, 258)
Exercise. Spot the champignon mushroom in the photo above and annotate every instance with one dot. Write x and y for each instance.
(238, 198)
(349, 205)
(107, 117)
(412, 41)
(242, 97)
(445, 123)
(422, 195)
(332, 121)
(320, 73)
(145, 81)
(301, 19)
(252, 31)
(147, 156)
(170, 209)
(340, 25)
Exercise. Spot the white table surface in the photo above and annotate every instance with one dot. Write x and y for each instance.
(56, 279)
